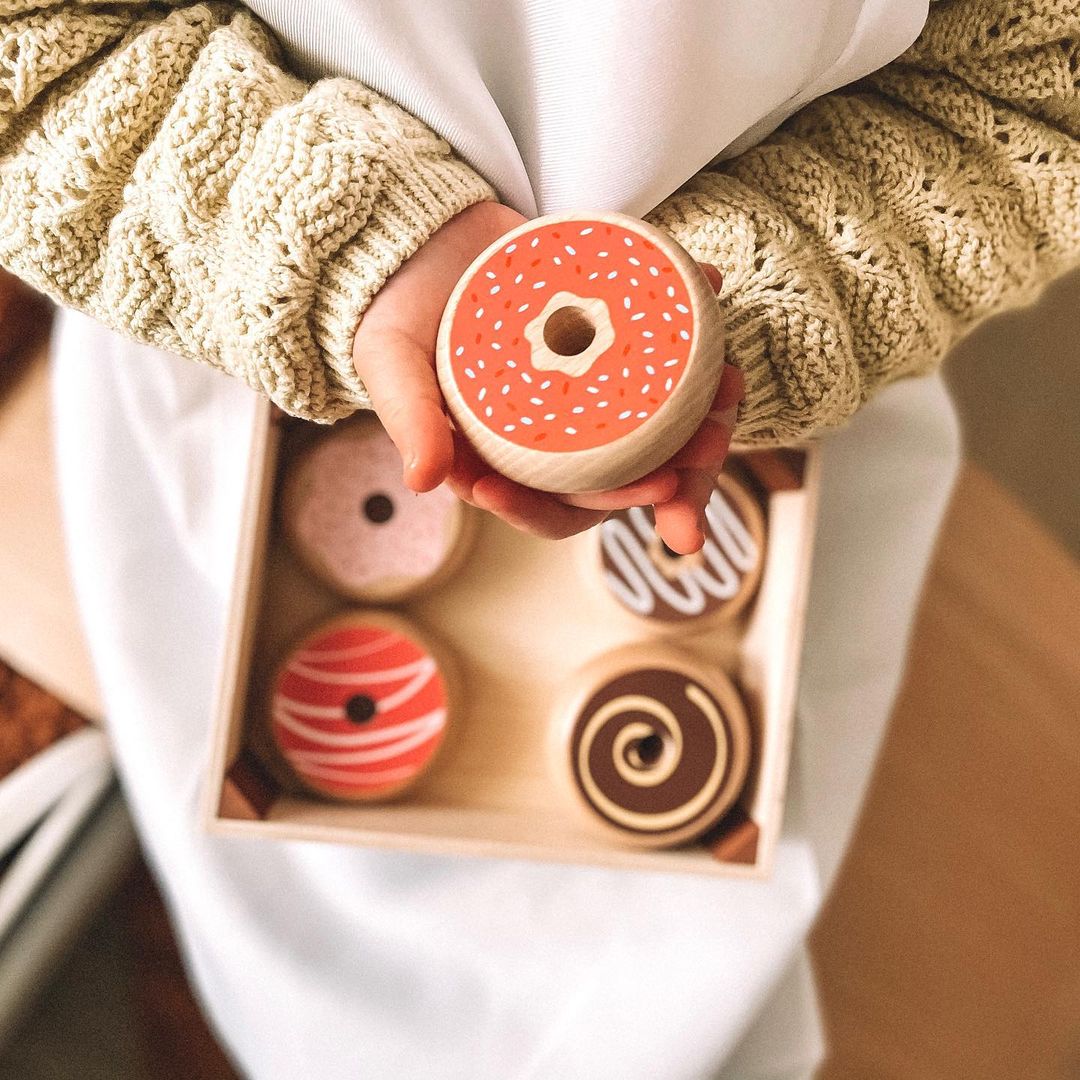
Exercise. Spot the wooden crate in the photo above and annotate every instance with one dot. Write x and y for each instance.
(521, 616)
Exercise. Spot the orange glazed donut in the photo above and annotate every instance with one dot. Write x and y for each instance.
(580, 353)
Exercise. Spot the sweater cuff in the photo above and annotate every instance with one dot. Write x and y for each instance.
(410, 207)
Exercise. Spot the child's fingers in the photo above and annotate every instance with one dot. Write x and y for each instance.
(534, 512)
(657, 487)
(679, 520)
(405, 393)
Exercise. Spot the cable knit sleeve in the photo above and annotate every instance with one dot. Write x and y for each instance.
(161, 171)
(886, 219)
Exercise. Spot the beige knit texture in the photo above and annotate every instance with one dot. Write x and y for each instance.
(160, 170)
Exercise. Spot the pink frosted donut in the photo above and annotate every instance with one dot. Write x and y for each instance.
(352, 521)
(580, 353)
(359, 708)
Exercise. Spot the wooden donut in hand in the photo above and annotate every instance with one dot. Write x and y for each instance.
(580, 353)
(653, 582)
(351, 520)
(656, 745)
(360, 706)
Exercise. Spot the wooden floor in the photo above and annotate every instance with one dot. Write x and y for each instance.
(951, 946)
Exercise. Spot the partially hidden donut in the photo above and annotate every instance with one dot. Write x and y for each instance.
(653, 582)
(359, 708)
(352, 521)
(580, 353)
(657, 747)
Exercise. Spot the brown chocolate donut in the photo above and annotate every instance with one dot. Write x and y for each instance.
(658, 746)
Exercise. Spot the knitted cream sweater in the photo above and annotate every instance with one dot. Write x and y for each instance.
(161, 170)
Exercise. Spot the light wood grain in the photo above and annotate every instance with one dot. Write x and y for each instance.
(951, 946)
(520, 618)
(40, 631)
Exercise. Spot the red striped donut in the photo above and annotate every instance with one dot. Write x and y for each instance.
(359, 708)
(580, 353)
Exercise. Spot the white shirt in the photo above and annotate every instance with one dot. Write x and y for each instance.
(331, 962)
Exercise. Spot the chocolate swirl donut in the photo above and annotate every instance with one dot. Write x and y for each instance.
(657, 584)
(660, 752)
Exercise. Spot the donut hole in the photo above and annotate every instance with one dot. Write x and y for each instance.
(647, 752)
(360, 708)
(569, 331)
(378, 508)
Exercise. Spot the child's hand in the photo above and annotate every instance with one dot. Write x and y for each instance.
(394, 354)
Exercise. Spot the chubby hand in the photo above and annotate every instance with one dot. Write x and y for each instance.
(394, 354)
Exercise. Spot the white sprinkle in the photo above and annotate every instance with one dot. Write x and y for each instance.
(508, 427)
(626, 302)
(634, 281)
(505, 389)
(601, 254)
(602, 404)
(650, 349)
(496, 346)
(595, 274)
(498, 324)
(634, 262)
(585, 232)
(670, 363)
(536, 401)
(683, 308)
(669, 384)
(557, 261)
(645, 389)
(671, 290)
(510, 249)
(549, 416)
(526, 420)
(626, 373)
(518, 280)
(592, 389)
(511, 363)
(535, 240)
(602, 378)
(488, 411)
(625, 415)
(667, 316)
(539, 284)
(545, 384)
(459, 350)
(489, 273)
(524, 307)
(469, 371)
(494, 289)
(639, 315)
(570, 431)
(578, 409)
(482, 394)
(642, 415)
(684, 335)
(569, 249)
(647, 333)
(649, 369)
(654, 271)
(479, 312)
(480, 364)
(526, 377)
(613, 275)
(627, 241)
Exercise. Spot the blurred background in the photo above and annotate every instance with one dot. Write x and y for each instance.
(950, 948)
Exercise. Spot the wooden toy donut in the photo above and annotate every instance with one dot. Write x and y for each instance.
(359, 707)
(656, 746)
(354, 524)
(652, 582)
(580, 353)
